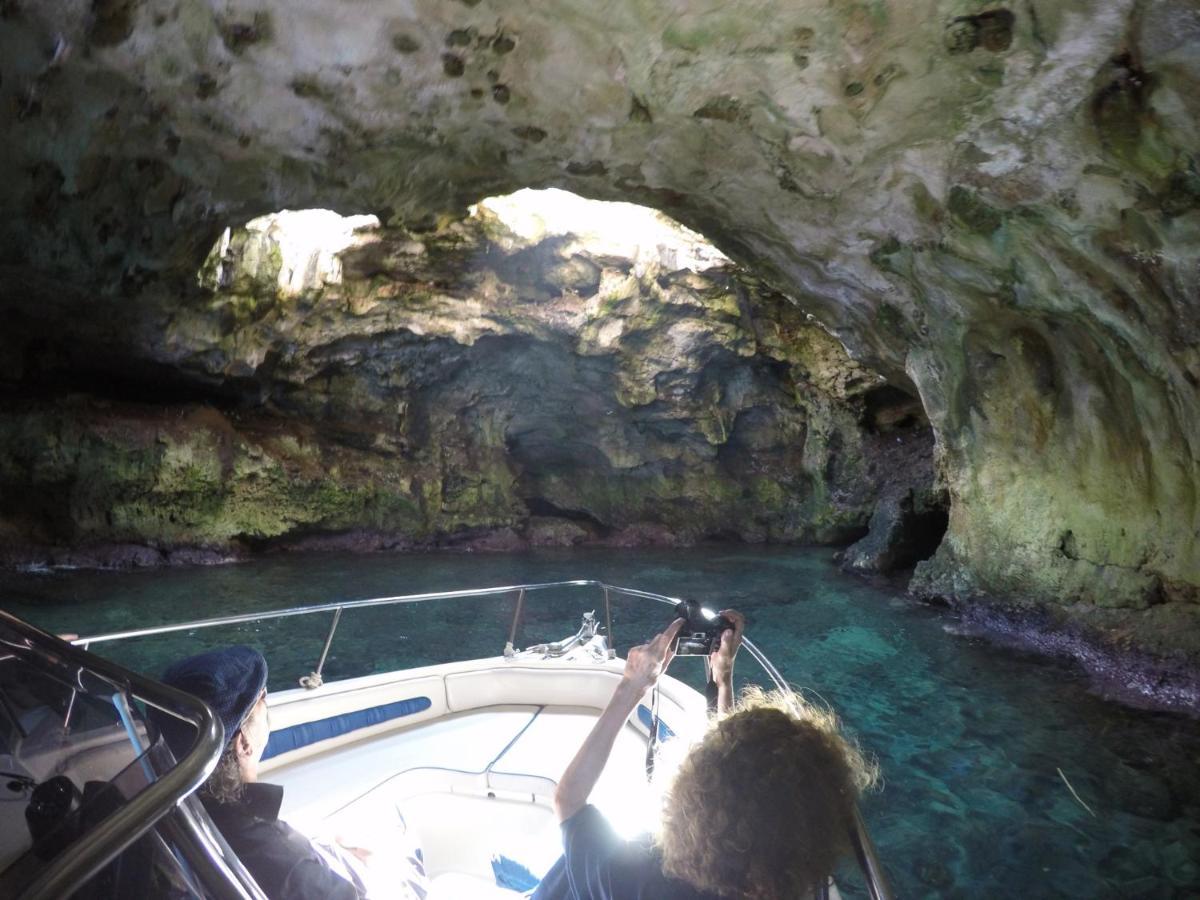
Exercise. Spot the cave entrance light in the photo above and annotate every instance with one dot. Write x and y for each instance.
(604, 228)
(299, 250)
(305, 244)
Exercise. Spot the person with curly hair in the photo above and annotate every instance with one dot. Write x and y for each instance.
(762, 807)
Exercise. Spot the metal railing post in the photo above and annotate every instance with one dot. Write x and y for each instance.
(608, 633)
(510, 648)
(313, 680)
(71, 703)
(868, 859)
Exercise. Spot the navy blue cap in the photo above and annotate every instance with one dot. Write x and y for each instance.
(229, 680)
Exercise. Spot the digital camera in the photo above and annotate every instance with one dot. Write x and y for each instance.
(699, 635)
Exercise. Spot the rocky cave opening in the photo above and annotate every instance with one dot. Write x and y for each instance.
(955, 307)
(728, 299)
(548, 370)
(701, 402)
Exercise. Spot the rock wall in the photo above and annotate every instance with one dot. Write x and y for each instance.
(464, 385)
(995, 206)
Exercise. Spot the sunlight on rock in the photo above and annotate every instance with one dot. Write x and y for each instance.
(627, 230)
(297, 249)
(940, 332)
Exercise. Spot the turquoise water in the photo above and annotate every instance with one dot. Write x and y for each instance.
(970, 737)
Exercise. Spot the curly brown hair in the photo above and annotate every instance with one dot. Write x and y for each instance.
(225, 784)
(763, 806)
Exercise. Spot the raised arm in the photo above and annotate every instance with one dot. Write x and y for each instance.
(643, 667)
(721, 659)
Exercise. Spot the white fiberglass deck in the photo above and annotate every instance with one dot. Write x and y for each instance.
(469, 785)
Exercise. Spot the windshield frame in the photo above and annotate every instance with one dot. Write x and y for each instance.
(101, 844)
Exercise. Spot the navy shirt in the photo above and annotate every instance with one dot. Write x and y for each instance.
(282, 860)
(598, 865)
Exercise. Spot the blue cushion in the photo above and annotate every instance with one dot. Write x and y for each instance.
(647, 719)
(295, 736)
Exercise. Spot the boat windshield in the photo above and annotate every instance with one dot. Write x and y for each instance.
(90, 804)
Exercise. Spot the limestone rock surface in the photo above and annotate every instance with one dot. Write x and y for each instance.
(995, 206)
(471, 385)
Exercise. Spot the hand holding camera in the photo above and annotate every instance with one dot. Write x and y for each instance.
(693, 632)
(646, 662)
(717, 637)
(700, 634)
(728, 644)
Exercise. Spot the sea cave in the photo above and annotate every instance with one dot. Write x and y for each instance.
(898, 302)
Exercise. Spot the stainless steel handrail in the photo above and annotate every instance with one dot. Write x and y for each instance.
(338, 606)
(209, 854)
(868, 859)
(864, 847)
(328, 607)
(101, 844)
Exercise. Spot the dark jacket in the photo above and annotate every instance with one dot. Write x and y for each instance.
(597, 865)
(283, 862)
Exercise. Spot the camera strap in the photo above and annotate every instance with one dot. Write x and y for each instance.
(710, 697)
(710, 688)
(652, 743)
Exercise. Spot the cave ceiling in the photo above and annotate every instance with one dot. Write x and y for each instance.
(821, 142)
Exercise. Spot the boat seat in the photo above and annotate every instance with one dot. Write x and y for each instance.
(513, 683)
(94, 755)
(435, 804)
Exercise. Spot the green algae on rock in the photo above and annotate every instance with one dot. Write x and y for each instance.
(475, 379)
(994, 208)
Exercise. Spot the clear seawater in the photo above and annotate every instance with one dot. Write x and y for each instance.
(971, 738)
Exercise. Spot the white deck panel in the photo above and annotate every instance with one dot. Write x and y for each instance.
(550, 743)
(459, 834)
(317, 786)
(474, 783)
(458, 824)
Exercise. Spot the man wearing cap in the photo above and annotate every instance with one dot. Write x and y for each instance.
(286, 864)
